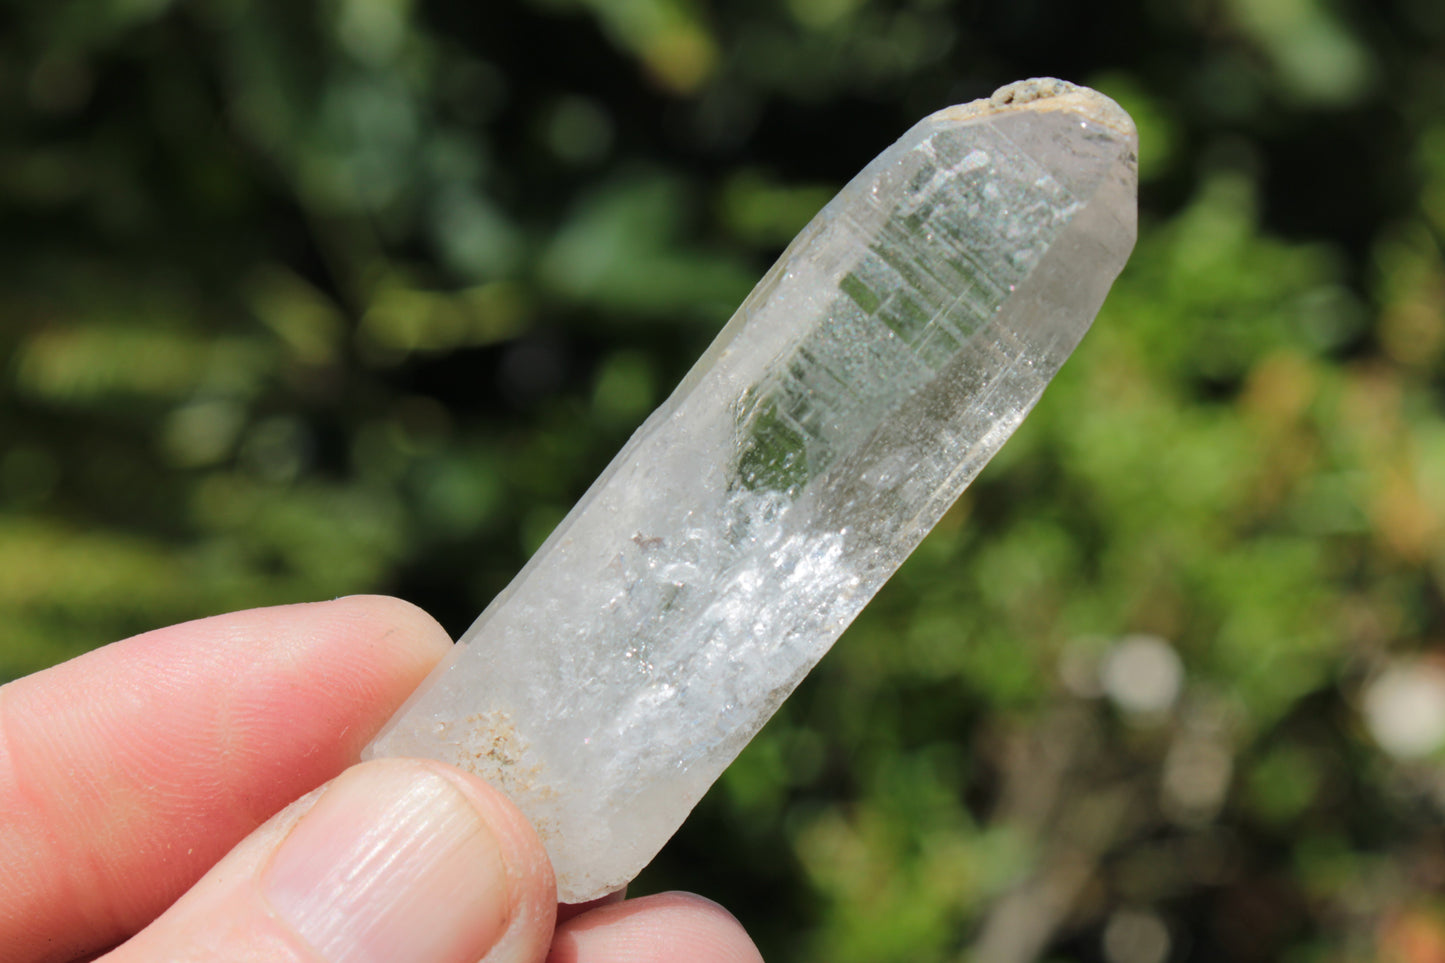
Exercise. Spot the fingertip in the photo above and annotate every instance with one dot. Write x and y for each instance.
(374, 650)
(565, 911)
(180, 742)
(529, 872)
(521, 844)
(394, 859)
(335, 670)
(407, 857)
(394, 622)
(654, 929)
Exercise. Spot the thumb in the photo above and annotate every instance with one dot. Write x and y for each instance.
(397, 859)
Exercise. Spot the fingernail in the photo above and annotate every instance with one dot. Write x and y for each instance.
(392, 863)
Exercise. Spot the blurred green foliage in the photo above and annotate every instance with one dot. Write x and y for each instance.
(358, 295)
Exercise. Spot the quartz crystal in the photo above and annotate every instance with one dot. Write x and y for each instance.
(872, 372)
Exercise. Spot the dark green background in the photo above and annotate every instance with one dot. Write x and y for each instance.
(307, 299)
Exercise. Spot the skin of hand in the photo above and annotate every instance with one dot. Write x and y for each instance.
(193, 794)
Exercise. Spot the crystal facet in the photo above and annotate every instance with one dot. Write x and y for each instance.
(868, 377)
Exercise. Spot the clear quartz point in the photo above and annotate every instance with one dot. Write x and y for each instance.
(873, 371)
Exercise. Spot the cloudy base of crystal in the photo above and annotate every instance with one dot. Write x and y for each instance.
(866, 380)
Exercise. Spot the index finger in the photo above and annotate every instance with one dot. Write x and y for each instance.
(127, 772)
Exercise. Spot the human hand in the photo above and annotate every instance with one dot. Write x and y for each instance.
(146, 804)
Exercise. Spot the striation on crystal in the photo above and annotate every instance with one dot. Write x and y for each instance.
(872, 372)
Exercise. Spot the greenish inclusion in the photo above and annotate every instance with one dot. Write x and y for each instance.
(906, 318)
(862, 295)
(775, 455)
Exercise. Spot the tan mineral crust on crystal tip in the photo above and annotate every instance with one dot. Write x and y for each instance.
(867, 379)
(1047, 93)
